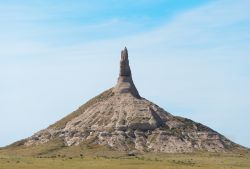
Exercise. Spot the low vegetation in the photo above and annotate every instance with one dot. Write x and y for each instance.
(55, 155)
(170, 161)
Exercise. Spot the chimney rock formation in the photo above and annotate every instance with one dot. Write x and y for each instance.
(122, 120)
(125, 84)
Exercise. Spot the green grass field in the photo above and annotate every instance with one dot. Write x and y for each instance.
(54, 155)
(170, 161)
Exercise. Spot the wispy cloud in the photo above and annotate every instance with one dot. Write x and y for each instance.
(195, 65)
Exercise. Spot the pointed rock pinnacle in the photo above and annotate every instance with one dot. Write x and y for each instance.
(124, 64)
(125, 82)
(120, 119)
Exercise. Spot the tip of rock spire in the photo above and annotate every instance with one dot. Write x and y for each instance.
(124, 54)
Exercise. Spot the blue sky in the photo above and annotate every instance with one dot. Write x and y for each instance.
(69, 22)
(190, 57)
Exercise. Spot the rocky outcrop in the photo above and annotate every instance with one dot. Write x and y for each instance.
(124, 64)
(125, 84)
(128, 124)
(122, 120)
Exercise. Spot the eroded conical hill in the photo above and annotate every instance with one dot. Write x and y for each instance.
(122, 120)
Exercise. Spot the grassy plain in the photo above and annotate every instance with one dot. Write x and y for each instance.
(55, 155)
(149, 161)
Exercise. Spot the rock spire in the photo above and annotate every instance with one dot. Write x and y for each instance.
(125, 84)
(124, 64)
